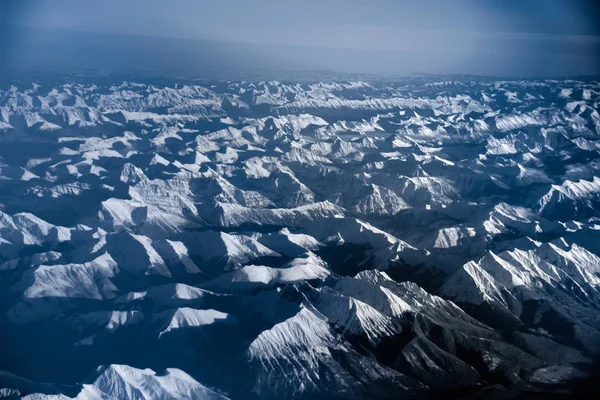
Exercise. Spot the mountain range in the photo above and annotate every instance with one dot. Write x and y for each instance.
(303, 240)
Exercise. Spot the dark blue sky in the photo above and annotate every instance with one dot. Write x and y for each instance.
(489, 37)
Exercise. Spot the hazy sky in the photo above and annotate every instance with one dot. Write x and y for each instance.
(528, 37)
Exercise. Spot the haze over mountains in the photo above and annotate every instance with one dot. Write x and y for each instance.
(264, 239)
(537, 38)
(34, 49)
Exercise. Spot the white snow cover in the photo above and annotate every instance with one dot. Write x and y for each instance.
(128, 383)
(309, 267)
(189, 317)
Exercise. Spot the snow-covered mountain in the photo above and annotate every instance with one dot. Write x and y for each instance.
(269, 240)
